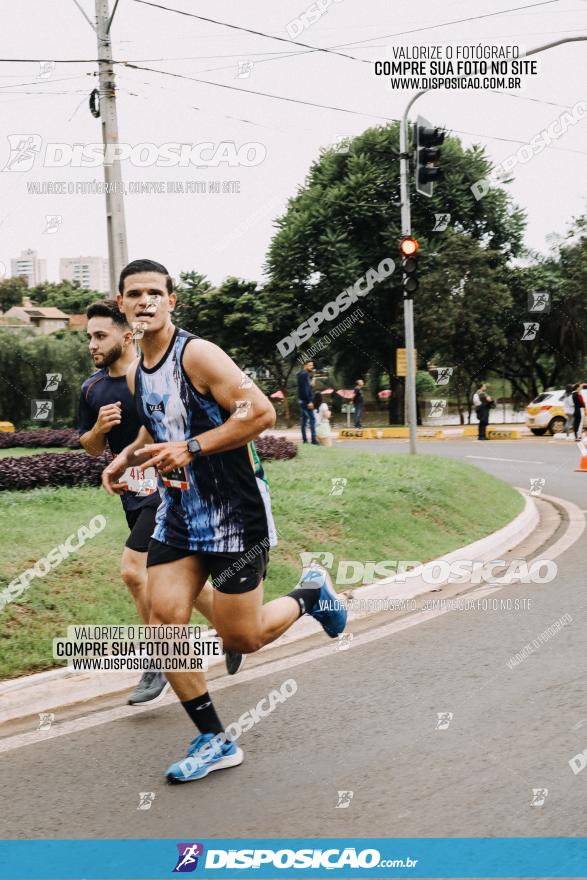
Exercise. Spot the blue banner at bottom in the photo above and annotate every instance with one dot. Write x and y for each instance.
(513, 857)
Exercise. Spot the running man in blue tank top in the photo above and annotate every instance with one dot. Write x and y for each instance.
(200, 414)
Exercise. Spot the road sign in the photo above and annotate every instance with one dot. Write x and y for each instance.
(401, 362)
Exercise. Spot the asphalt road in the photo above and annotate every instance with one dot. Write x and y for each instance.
(362, 721)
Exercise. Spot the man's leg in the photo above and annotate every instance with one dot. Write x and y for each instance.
(152, 684)
(246, 625)
(205, 605)
(304, 418)
(312, 418)
(133, 570)
(173, 589)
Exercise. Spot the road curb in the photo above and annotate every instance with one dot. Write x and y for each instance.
(30, 695)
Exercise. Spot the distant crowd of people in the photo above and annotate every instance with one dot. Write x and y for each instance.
(315, 412)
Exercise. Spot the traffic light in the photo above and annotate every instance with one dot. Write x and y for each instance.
(409, 248)
(427, 140)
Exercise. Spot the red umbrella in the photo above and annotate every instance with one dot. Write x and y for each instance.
(348, 393)
(279, 395)
(327, 391)
(385, 394)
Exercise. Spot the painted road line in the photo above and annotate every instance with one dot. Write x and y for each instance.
(515, 460)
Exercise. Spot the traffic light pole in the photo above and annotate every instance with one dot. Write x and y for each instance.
(406, 222)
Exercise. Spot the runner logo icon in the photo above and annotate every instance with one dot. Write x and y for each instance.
(187, 860)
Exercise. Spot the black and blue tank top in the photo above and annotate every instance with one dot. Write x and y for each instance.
(218, 503)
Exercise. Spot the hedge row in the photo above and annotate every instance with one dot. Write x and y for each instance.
(77, 469)
(52, 469)
(275, 448)
(68, 437)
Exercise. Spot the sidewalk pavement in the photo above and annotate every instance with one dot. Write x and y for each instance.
(451, 431)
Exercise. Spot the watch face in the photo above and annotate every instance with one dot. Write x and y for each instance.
(193, 446)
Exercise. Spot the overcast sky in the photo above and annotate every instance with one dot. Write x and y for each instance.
(223, 234)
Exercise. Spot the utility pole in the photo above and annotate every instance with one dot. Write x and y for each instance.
(406, 222)
(115, 221)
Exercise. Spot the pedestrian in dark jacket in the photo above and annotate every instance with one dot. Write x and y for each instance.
(579, 410)
(483, 403)
(358, 402)
(306, 398)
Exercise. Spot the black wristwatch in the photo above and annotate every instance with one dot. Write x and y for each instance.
(194, 446)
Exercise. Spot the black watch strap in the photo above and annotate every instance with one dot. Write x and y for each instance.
(194, 446)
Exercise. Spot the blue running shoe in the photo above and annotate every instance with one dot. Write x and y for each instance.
(329, 610)
(207, 752)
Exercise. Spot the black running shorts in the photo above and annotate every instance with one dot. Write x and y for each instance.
(141, 523)
(237, 572)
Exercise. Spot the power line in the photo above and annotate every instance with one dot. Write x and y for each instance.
(431, 27)
(258, 33)
(45, 82)
(354, 112)
(203, 110)
(255, 92)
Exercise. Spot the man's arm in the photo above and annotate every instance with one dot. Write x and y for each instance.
(211, 370)
(94, 440)
(94, 426)
(133, 454)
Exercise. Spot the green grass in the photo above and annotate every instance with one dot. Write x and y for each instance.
(393, 507)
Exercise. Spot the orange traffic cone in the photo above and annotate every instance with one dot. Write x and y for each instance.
(582, 469)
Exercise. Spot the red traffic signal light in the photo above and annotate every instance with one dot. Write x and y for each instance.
(409, 246)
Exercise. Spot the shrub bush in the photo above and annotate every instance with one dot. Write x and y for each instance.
(76, 469)
(52, 469)
(275, 448)
(68, 437)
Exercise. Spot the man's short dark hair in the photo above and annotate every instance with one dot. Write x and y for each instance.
(107, 308)
(144, 266)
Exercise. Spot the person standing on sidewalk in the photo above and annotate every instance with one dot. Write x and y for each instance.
(482, 403)
(579, 410)
(569, 408)
(358, 402)
(306, 400)
(323, 430)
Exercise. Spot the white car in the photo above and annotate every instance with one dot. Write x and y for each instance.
(546, 413)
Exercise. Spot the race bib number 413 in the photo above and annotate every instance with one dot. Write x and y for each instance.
(142, 482)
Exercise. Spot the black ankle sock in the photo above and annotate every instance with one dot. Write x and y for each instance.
(306, 597)
(202, 712)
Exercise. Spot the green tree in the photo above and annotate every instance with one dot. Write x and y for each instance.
(246, 320)
(463, 309)
(25, 361)
(556, 356)
(12, 291)
(67, 296)
(346, 219)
